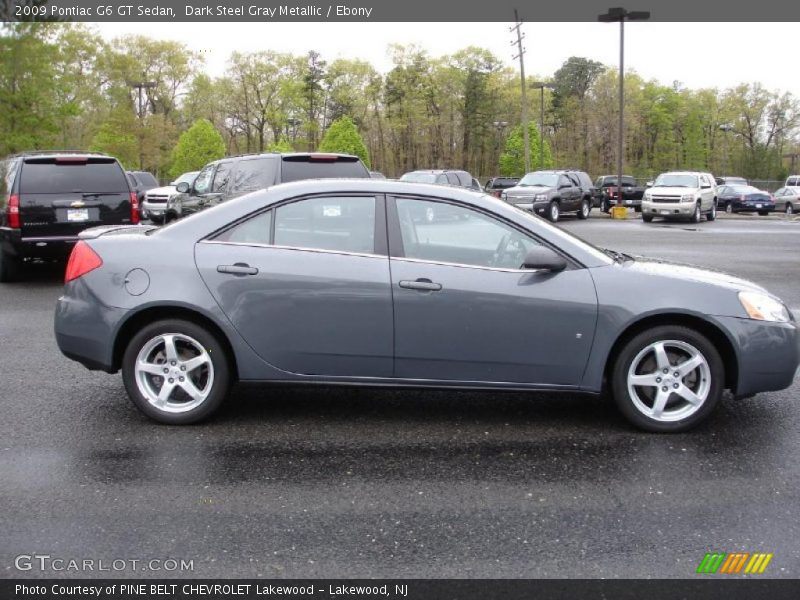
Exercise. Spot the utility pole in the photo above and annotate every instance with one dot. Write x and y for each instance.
(520, 54)
(140, 86)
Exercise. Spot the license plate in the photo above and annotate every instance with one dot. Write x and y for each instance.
(664, 212)
(77, 214)
(758, 206)
(628, 202)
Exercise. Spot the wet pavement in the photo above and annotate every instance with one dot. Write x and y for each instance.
(321, 481)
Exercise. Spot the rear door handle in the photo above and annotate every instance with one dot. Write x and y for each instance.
(237, 269)
(424, 285)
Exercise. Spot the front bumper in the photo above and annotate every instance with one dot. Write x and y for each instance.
(668, 209)
(768, 354)
(154, 209)
(85, 329)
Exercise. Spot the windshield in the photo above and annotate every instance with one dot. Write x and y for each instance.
(676, 180)
(419, 177)
(539, 178)
(186, 178)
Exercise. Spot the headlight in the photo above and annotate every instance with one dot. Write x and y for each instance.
(539, 197)
(763, 308)
(687, 198)
(646, 197)
(503, 196)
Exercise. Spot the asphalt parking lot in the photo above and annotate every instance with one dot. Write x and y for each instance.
(316, 482)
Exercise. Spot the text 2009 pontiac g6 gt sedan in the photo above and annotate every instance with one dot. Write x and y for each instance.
(345, 281)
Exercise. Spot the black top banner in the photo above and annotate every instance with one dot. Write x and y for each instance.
(393, 10)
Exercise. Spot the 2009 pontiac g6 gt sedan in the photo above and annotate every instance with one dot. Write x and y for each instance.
(347, 282)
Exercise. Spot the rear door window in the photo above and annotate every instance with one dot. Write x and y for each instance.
(53, 176)
(253, 174)
(452, 179)
(221, 177)
(338, 223)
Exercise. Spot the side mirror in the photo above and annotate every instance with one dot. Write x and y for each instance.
(182, 187)
(649, 184)
(544, 259)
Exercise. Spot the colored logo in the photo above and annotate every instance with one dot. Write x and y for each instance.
(734, 563)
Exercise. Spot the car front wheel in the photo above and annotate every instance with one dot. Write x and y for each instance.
(789, 208)
(729, 208)
(696, 214)
(176, 372)
(553, 212)
(667, 379)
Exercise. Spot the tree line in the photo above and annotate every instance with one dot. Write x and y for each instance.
(64, 86)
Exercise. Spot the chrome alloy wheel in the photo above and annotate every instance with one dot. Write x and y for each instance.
(669, 380)
(174, 372)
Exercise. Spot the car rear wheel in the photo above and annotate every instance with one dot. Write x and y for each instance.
(789, 208)
(583, 213)
(667, 379)
(553, 212)
(763, 213)
(10, 267)
(176, 372)
(712, 215)
(647, 218)
(729, 208)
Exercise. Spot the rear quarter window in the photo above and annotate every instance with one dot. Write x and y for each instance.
(296, 170)
(252, 174)
(51, 177)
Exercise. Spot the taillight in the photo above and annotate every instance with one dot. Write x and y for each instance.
(134, 208)
(742, 197)
(82, 260)
(12, 211)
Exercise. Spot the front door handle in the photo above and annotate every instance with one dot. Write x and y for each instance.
(423, 285)
(237, 269)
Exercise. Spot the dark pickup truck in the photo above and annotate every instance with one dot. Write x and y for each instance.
(606, 195)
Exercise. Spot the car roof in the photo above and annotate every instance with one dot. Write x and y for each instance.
(57, 153)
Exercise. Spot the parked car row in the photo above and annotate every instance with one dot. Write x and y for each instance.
(48, 198)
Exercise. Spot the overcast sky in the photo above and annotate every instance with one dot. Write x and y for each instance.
(696, 54)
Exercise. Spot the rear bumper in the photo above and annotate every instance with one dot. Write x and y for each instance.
(14, 244)
(768, 354)
(85, 329)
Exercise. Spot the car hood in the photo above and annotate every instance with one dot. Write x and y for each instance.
(525, 190)
(688, 272)
(671, 191)
(166, 190)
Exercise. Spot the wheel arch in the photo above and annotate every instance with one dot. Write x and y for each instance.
(157, 313)
(715, 334)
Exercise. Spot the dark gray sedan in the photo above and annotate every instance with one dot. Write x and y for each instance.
(335, 282)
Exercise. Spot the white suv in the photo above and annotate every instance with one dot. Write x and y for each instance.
(681, 194)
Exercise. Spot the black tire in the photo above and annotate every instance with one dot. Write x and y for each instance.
(10, 268)
(605, 206)
(553, 211)
(697, 214)
(647, 218)
(789, 209)
(637, 209)
(712, 214)
(763, 213)
(729, 208)
(632, 348)
(585, 209)
(219, 360)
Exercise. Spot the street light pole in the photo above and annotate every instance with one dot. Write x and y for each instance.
(521, 54)
(621, 15)
(141, 86)
(540, 85)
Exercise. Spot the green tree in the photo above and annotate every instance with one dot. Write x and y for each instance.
(282, 145)
(343, 136)
(198, 145)
(512, 160)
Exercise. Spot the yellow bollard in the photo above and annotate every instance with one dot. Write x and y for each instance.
(619, 212)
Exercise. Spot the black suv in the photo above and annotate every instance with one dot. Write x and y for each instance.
(47, 198)
(551, 193)
(237, 175)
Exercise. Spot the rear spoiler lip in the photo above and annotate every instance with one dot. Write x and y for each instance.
(95, 232)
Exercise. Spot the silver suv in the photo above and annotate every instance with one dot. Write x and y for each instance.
(681, 195)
